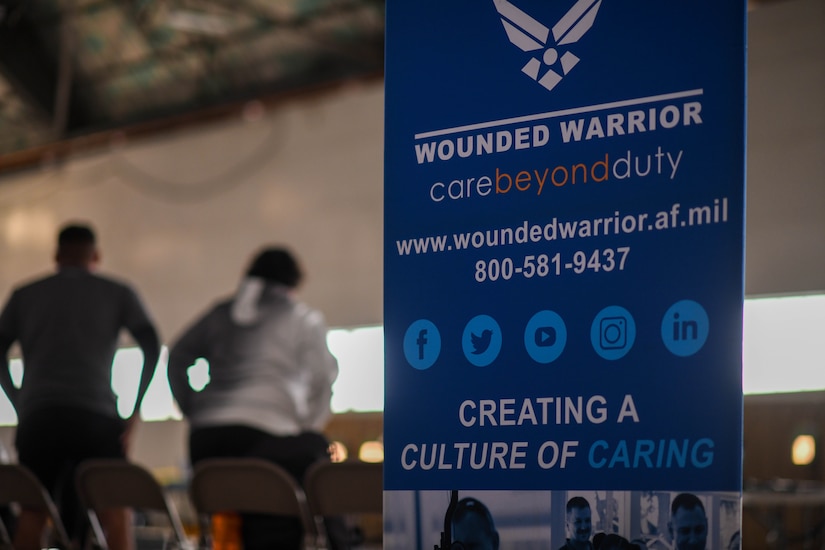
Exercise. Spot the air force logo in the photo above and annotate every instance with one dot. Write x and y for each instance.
(530, 35)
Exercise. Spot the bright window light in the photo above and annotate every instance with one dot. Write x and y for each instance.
(359, 387)
(782, 353)
(7, 415)
(16, 371)
(198, 374)
(783, 344)
(158, 404)
(360, 383)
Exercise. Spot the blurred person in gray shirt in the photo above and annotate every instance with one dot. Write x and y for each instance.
(271, 376)
(68, 326)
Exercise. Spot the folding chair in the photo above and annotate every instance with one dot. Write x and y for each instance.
(247, 485)
(18, 485)
(104, 483)
(343, 489)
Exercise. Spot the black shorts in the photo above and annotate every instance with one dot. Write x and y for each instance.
(51, 442)
(294, 453)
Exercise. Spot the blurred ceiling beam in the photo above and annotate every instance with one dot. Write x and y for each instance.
(58, 151)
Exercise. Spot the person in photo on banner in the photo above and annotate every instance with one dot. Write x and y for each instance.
(579, 522)
(473, 526)
(650, 534)
(688, 523)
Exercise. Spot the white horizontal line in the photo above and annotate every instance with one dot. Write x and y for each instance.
(563, 112)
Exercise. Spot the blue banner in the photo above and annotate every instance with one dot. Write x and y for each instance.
(564, 222)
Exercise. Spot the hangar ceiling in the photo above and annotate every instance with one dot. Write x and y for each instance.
(70, 69)
(73, 72)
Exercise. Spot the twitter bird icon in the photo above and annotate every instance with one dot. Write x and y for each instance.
(481, 341)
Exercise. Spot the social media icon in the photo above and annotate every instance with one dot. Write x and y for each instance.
(545, 336)
(685, 328)
(422, 344)
(613, 332)
(481, 340)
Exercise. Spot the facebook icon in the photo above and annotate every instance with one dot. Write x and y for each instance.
(422, 339)
(422, 344)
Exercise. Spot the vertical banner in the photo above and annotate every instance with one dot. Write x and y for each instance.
(564, 225)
